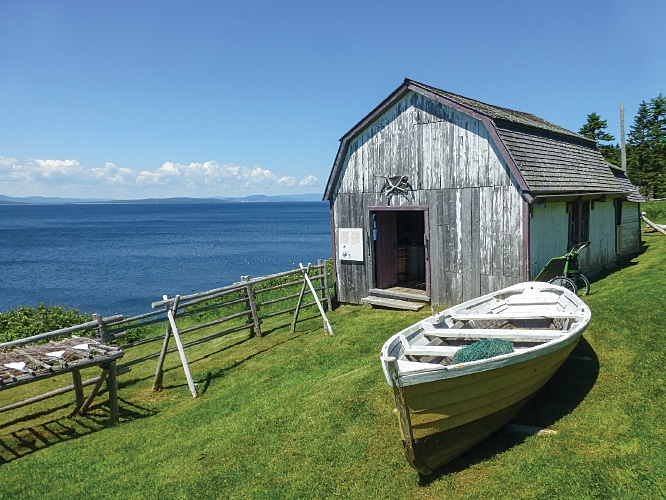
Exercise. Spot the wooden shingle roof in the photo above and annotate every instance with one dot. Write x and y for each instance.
(545, 159)
(627, 186)
(556, 164)
(498, 113)
(551, 159)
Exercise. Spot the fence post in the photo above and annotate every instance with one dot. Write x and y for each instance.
(112, 386)
(326, 294)
(101, 330)
(298, 306)
(252, 317)
(78, 389)
(159, 373)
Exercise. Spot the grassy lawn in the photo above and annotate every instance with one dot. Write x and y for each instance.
(302, 415)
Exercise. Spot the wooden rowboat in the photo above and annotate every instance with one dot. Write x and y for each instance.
(445, 408)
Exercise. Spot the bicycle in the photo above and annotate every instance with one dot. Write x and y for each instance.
(563, 271)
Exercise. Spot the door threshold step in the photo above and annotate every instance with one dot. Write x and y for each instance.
(407, 305)
(416, 296)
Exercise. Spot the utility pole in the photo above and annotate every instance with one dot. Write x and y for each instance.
(623, 145)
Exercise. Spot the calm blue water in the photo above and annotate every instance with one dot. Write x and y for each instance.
(119, 258)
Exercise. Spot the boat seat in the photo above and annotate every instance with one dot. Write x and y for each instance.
(411, 366)
(438, 355)
(441, 350)
(510, 316)
(432, 350)
(494, 333)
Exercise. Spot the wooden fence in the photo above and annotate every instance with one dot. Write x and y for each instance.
(202, 317)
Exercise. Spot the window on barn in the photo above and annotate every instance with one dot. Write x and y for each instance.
(618, 211)
(579, 222)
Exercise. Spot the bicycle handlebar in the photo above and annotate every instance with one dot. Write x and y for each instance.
(578, 247)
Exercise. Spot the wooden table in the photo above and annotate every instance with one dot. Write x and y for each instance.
(71, 355)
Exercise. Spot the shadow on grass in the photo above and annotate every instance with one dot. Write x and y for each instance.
(621, 263)
(36, 434)
(203, 384)
(40, 435)
(559, 397)
(194, 360)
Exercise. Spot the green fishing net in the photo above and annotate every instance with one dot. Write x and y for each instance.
(482, 349)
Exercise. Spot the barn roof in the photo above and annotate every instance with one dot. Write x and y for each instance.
(627, 186)
(546, 159)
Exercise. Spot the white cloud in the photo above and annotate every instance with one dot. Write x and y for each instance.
(58, 167)
(169, 168)
(52, 177)
(310, 180)
(7, 162)
(111, 173)
(286, 181)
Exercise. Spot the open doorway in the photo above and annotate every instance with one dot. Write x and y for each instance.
(400, 240)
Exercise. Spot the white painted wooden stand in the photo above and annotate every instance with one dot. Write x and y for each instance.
(327, 326)
(172, 329)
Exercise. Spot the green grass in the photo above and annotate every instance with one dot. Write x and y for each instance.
(655, 211)
(303, 415)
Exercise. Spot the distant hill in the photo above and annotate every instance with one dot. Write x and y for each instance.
(290, 197)
(11, 200)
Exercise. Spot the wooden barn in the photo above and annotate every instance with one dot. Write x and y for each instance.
(437, 197)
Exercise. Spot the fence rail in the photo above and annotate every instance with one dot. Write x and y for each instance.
(213, 314)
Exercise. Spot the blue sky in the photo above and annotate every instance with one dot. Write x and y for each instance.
(137, 99)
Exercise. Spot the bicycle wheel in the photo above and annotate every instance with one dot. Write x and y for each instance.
(582, 283)
(565, 282)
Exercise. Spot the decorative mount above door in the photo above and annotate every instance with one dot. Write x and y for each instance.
(397, 184)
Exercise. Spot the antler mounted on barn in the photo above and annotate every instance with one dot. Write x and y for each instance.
(397, 184)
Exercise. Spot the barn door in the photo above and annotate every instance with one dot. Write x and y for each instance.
(385, 236)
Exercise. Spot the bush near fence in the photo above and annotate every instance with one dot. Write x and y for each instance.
(27, 321)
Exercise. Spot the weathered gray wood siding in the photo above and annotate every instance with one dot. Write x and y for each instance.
(456, 171)
(630, 233)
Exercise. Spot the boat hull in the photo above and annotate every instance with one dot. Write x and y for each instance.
(445, 408)
(448, 417)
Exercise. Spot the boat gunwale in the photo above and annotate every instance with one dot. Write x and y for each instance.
(433, 372)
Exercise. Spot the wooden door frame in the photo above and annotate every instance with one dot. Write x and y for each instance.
(426, 232)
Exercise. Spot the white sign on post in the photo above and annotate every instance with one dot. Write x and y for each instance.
(350, 244)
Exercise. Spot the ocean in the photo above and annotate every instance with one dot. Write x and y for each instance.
(120, 257)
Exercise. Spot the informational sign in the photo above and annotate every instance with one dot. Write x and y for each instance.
(350, 244)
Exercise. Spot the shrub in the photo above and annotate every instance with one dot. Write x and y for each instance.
(26, 321)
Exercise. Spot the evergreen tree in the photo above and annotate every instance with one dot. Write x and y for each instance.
(612, 154)
(595, 129)
(646, 155)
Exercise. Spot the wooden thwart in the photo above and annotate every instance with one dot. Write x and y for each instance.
(510, 316)
(494, 333)
(432, 350)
